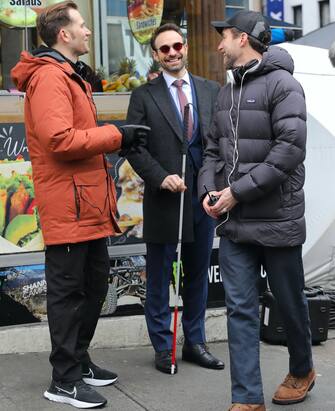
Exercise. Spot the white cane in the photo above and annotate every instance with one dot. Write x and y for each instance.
(180, 231)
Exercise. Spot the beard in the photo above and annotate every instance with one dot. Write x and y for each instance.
(182, 63)
(229, 62)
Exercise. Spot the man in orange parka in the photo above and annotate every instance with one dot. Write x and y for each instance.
(75, 196)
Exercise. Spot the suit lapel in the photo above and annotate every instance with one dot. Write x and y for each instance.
(162, 98)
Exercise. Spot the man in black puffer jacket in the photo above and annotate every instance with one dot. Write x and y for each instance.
(253, 165)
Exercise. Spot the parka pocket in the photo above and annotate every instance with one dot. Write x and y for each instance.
(91, 197)
(267, 208)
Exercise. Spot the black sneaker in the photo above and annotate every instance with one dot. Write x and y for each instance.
(94, 375)
(77, 394)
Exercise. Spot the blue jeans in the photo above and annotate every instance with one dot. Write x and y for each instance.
(240, 267)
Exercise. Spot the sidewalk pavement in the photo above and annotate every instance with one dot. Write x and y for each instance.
(24, 377)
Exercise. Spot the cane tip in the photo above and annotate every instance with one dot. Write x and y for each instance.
(173, 369)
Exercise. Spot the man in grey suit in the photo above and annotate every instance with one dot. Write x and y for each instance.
(160, 104)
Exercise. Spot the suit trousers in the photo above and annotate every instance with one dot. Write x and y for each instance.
(77, 283)
(195, 257)
(240, 267)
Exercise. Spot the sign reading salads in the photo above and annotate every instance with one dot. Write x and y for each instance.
(22, 13)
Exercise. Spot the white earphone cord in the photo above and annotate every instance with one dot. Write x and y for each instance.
(235, 135)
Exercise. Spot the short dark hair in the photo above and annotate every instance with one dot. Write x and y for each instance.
(254, 43)
(162, 29)
(52, 19)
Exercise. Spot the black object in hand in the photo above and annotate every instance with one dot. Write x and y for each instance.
(212, 199)
(133, 135)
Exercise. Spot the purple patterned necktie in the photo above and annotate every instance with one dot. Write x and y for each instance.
(182, 102)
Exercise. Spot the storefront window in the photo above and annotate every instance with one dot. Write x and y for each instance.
(117, 7)
(124, 49)
(122, 44)
(12, 43)
(18, 32)
(232, 6)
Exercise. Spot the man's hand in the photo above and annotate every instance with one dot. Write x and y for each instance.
(173, 183)
(225, 203)
(206, 202)
(132, 136)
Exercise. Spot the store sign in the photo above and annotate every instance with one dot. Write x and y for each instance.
(144, 17)
(22, 13)
(275, 9)
(12, 142)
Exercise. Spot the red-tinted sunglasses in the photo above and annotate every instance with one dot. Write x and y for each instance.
(176, 46)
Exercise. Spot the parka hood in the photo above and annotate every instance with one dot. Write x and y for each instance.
(30, 63)
(276, 58)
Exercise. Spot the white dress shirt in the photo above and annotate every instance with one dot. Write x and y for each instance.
(187, 89)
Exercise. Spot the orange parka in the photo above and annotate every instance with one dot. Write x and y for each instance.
(74, 193)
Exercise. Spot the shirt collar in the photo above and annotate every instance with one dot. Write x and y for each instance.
(170, 79)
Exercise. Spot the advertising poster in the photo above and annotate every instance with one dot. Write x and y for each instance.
(22, 295)
(275, 9)
(22, 13)
(144, 17)
(20, 229)
(129, 189)
(23, 290)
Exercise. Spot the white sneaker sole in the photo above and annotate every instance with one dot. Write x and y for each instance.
(71, 401)
(99, 383)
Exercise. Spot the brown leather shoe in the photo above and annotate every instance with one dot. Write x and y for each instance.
(247, 407)
(294, 389)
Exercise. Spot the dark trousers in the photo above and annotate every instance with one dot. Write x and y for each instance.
(195, 258)
(240, 266)
(77, 283)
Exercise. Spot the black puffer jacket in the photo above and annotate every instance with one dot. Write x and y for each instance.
(267, 109)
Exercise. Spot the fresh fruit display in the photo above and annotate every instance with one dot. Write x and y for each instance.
(126, 78)
(154, 68)
(19, 222)
(127, 66)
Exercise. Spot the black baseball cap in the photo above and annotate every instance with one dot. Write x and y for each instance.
(251, 22)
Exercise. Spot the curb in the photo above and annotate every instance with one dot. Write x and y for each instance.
(112, 332)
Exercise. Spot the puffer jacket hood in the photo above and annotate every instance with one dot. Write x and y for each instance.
(272, 60)
(275, 58)
(30, 63)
